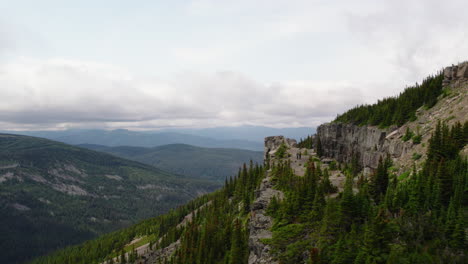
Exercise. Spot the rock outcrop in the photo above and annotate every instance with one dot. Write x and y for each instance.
(260, 224)
(274, 142)
(456, 74)
(343, 141)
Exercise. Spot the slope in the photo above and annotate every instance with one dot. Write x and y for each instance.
(122, 137)
(53, 194)
(214, 164)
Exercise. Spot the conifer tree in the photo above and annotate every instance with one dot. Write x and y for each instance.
(318, 147)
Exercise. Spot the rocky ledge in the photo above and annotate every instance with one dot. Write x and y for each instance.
(260, 224)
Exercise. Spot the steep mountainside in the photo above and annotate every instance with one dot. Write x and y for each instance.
(343, 141)
(200, 163)
(53, 194)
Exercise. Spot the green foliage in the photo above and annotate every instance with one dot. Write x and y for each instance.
(416, 156)
(417, 139)
(318, 147)
(281, 152)
(396, 110)
(408, 135)
(417, 218)
(217, 232)
(307, 143)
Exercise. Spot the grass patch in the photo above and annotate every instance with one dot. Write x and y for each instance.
(416, 156)
(403, 176)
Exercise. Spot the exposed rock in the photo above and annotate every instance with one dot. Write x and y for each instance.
(342, 141)
(274, 142)
(9, 166)
(36, 177)
(63, 174)
(69, 189)
(20, 207)
(260, 223)
(7, 176)
(72, 168)
(456, 74)
(113, 177)
(160, 254)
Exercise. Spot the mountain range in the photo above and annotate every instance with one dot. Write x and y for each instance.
(243, 137)
(214, 164)
(53, 194)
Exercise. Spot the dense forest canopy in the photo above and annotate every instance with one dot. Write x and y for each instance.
(396, 110)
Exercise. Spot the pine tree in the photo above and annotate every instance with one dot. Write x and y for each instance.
(237, 245)
(319, 148)
(347, 205)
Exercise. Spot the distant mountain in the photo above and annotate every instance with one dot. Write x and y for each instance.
(53, 194)
(122, 137)
(203, 163)
(250, 133)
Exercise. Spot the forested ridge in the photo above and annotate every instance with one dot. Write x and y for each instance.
(53, 195)
(217, 232)
(399, 109)
(382, 219)
(386, 219)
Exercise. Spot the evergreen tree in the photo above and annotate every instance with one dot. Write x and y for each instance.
(318, 147)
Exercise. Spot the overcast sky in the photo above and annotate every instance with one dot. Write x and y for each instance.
(148, 64)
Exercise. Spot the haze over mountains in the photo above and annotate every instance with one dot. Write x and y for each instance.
(213, 164)
(243, 137)
(53, 194)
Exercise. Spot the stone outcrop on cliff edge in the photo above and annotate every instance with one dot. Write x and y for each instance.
(341, 141)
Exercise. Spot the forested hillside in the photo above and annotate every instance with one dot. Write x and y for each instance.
(306, 207)
(53, 195)
(384, 219)
(214, 164)
(216, 233)
(396, 110)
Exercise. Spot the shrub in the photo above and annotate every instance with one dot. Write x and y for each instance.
(417, 139)
(408, 135)
(281, 151)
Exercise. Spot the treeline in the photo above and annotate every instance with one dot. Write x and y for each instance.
(217, 232)
(307, 142)
(311, 142)
(396, 110)
(381, 219)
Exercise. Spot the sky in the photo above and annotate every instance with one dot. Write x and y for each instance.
(151, 64)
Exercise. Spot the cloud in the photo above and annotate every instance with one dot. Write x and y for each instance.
(276, 63)
(417, 37)
(69, 93)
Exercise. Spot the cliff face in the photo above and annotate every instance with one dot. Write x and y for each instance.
(456, 74)
(274, 142)
(342, 141)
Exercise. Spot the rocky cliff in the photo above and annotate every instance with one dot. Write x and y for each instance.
(342, 141)
(274, 142)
